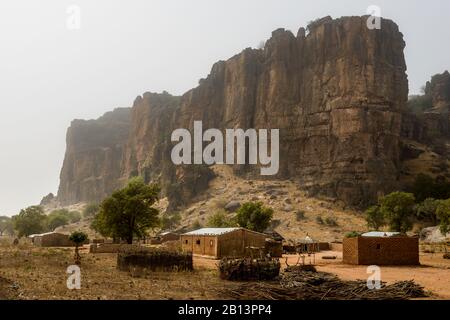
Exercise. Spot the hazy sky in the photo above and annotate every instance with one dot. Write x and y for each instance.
(50, 74)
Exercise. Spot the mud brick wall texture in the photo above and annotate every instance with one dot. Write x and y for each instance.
(381, 251)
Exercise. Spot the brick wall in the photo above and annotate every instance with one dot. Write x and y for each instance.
(381, 251)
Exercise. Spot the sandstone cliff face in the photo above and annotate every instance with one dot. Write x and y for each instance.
(91, 168)
(337, 95)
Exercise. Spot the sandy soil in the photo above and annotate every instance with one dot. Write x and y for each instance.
(40, 273)
(433, 274)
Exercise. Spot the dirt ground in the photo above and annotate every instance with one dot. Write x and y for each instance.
(27, 272)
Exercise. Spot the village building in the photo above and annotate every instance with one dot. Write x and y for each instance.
(51, 239)
(222, 242)
(381, 248)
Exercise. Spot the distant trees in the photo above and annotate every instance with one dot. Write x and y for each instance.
(425, 187)
(128, 212)
(395, 210)
(91, 210)
(57, 219)
(29, 221)
(398, 210)
(443, 214)
(220, 219)
(254, 216)
(426, 210)
(6, 226)
(375, 218)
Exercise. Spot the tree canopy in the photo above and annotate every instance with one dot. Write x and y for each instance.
(398, 210)
(254, 216)
(128, 212)
(29, 221)
(6, 226)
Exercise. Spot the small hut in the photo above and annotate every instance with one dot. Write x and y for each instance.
(381, 248)
(223, 242)
(51, 239)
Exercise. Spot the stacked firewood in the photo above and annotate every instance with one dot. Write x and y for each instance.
(249, 269)
(298, 284)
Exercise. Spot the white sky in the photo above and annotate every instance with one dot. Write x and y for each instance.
(50, 75)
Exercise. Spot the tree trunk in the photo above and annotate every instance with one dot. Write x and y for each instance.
(77, 256)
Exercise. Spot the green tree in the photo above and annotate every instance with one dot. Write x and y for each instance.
(56, 219)
(6, 226)
(62, 217)
(220, 220)
(443, 214)
(91, 210)
(254, 216)
(375, 218)
(196, 225)
(79, 238)
(427, 210)
(74, 216)
(31, 220)
(398, 210)
(128, 212)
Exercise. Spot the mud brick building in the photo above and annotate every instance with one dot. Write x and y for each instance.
(222, 242)
(51, 239)
(381, 249)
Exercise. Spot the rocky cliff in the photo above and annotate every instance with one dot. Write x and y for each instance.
(336, 91)
(92, 164)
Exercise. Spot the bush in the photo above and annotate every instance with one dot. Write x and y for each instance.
(196, 225)
(375, 218)
(398, 210)
(330, 221)
(425, 187)
(352, 234)
(300, 215)
(427, 210)
(254, 216)
(91, 210)
(319, 220)
(220, 220)
(443, 214)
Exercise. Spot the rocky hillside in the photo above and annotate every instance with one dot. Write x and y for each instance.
(336, 91)
(426, 132)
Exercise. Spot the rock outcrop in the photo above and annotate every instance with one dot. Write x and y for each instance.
(92, 164)
(336, 91)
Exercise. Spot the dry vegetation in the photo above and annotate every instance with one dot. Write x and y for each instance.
(28, 272)
(287, 200)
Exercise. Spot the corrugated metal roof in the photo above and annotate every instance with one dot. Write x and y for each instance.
(380, 234)
(211, 231)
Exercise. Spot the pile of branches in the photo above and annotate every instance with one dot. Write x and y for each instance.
(155, 260)
(298, 284)
(249, 269)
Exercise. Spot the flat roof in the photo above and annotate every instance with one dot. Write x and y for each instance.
(211, 231)
(380, 234)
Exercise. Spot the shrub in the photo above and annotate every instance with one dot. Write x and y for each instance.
(398, 210)
(220, 220)
(443, 214)
(319, 220)
(300, 215)
(375, 218)
(330, 221)
(352, 234)
(254, 216)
